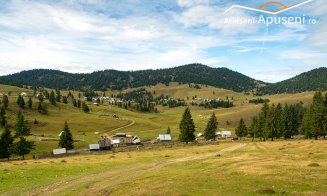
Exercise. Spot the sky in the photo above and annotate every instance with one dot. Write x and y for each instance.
(82, 36)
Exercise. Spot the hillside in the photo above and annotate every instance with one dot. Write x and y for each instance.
(308, 81)
(118, 80)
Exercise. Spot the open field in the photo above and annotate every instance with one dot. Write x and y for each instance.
(296, 167)
(88, 127)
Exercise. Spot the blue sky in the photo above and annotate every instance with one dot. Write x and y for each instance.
(89, 35)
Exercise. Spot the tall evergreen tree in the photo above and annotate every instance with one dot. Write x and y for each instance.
(85, 108)
(6, 142)
(52, 98)
(5, 101)
(23, 147)
(22, 128)
(210, 131)
(262, 131)
(30, 103)
(317, 114)
(168, 130)
(21, 102)
(254, 128)
(64, 100)
(58, 95)
(241, 130)
(3, 120)
(66, 138)
(187, 127)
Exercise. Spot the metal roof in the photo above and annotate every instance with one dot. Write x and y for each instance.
(164, 137)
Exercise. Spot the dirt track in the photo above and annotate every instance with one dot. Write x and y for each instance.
(98, 183)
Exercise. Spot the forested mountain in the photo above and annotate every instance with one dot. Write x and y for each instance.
(116, 80)
(308, 81)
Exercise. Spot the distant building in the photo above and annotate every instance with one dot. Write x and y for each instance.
(23, 94)
(164, 137)
(224, 134)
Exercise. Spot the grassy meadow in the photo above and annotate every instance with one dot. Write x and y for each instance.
(231, 168)
(88, 127)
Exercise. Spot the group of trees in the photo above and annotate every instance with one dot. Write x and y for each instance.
(16, 143)
(288, 120)
(187, 127)
(259, 100)
(214, 103)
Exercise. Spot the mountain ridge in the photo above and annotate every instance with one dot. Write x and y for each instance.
(118, 80)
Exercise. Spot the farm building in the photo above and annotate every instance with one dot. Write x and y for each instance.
(127, 139)
(104, 143)
(224, 134)
(164, 138)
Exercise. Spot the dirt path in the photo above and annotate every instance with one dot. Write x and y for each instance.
(97, 183)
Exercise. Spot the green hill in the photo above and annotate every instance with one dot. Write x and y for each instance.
(118, 80)
(308, 81)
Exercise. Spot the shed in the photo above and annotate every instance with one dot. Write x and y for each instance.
(93, 147)
(164, 137)
(59, 151)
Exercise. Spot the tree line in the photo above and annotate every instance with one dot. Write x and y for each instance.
(277, 121)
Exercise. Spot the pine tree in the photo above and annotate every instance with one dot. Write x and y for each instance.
(210, 131)
(262, 132)
(6, 142)
(75, 103)
(241, 130)
(42, 108)
(254, 128)
(187, 127)
(317, 114)
(21, 102)
(22, 128)
(52, 98)
(5, 101)
(23, 147)
(3, 120)
(85, 108)
(168, 130)
(30, 103)
(66, 138)
(58, 95)
(64, 99)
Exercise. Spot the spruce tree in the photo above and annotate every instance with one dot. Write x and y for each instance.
(22, 128)
(52, 98)
(66, 138)
(241, 130)
(3, 120)
(30, 103)
(187, 127)
(254, 128)
(64, 100)
(85, 108)
(5, 101)
(20, 101)
(317, 116)
(6, 142)
(210, 131)
(23, 147)
(58, 95)
(168, 130)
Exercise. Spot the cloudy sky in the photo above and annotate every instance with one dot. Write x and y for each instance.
(88, 35)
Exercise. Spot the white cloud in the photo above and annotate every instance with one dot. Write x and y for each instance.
(190, 3)
(305, 56)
